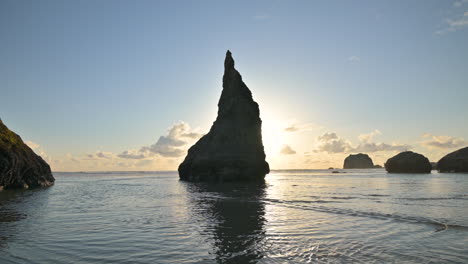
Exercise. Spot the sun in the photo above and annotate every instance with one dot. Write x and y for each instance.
(273, 136)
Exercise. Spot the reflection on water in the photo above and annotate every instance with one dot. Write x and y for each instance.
(14, 206)
(363, 216)
(234, 215)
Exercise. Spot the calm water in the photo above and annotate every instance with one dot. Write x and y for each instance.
(363, 216)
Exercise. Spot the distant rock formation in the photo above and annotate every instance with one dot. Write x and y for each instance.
(408, 162)
(20, 167)
(233, 149)
(377, 166)
(456, 161)
(434, 165)
(358, 161)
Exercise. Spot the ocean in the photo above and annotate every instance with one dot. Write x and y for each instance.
(299, 216)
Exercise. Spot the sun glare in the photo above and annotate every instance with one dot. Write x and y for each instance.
(273, 136)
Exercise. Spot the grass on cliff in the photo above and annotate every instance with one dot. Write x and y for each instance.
(8, 138)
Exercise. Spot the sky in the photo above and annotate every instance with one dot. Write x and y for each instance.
(131, 85)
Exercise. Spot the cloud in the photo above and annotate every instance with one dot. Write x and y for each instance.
(99, 155)
(460, 3)
(368, 137)
(287, 150)
(129, 154)
(70, 157)
(161, 155)
(32, 145)
(443, 142)
(172, 145)
(104, 155)
(297, 127)
(328, 136)
(354, 59)
(456, 22)
(38, 150)
(375, 147)
(312, 161)
(331, 143)
(460, 22)
(143, 163)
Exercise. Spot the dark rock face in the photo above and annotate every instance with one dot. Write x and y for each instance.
(358, 161)
(408, 162)
(456, 161)
(233, 149)
(20, 167)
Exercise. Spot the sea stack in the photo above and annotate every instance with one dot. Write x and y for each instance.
(20, 167)
(358, 161)
(456, 161)
(408, 162)
(233, 149)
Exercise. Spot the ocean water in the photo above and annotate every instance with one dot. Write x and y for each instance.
(310, 216)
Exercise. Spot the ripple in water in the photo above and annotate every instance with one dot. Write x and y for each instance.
(295, 217)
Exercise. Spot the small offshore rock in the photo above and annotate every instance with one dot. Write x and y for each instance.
(358, 161)
(408, 162)
(456, 161)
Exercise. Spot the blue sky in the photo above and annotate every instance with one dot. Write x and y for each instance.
(79, 78)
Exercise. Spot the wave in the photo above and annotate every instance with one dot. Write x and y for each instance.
(440, 225)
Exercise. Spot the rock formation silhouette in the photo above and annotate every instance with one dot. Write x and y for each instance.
(408, 162)
(456, 161)
(358, 161)
(233, 149)
(20, 167)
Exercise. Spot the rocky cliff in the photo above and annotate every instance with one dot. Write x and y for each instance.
(20, 167)
(233, 148)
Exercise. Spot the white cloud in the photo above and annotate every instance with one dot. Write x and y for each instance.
(328, 136)
(331, 143)
(163, 154)
(71, 158)
(174, 144)
(287, 150)
(375, 147)
(301, 127)
(313, 161)
(370, 136)
(460, 3)
(443, 142)
(131, 154)
(455, 22)
(38, 150)
(32, 145)
(104, 155)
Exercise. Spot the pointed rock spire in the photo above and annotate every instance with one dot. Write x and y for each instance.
(233, 149)
(229, 61)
